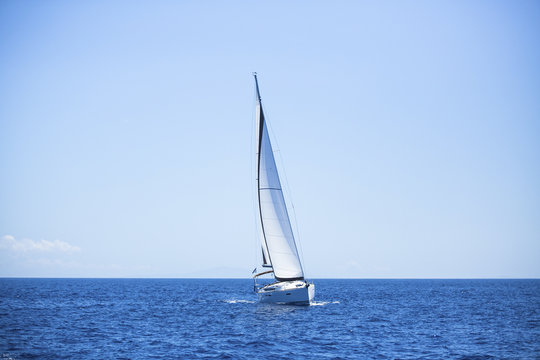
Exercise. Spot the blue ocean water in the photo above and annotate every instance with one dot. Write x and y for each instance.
(220, 319)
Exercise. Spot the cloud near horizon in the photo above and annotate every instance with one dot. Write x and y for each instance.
(8, 242)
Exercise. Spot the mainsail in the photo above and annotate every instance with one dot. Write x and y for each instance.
(279, 248)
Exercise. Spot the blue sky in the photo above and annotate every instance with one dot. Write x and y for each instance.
(409, 132)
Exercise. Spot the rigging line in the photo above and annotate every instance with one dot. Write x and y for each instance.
(298, 233)
(287, 189)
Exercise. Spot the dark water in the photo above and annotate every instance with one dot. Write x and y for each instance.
(177, 319)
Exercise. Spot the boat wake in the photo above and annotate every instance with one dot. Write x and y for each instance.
(313, 303)
(322, 303)
(240, 301)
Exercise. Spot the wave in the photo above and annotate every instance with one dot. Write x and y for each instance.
(240, 301)
(322, 303)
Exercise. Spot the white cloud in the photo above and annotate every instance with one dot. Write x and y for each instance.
(8, 242)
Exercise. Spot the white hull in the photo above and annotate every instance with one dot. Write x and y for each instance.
(287, 292)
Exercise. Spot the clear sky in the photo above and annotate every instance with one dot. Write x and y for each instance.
(409, 132)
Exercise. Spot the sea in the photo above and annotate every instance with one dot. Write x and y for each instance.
(221, 319)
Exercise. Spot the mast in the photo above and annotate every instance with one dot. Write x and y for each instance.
(276, 228)
(267, 261)
(257, 88)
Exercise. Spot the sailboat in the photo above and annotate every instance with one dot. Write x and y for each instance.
(279, 252)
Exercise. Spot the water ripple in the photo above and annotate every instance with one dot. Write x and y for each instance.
(221, 319)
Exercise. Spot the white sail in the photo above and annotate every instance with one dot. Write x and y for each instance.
(265, 256)
(277, 235)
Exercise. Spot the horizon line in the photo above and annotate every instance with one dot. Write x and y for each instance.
(250, 278)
